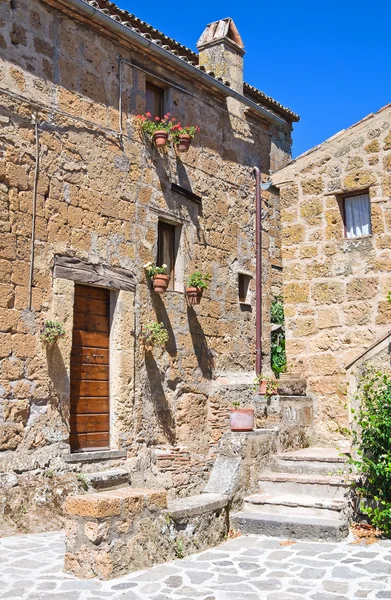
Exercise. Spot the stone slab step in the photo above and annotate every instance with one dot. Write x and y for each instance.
(314, 485)
(311, 460)
(103, 480)
(290, 527)
(191, 506)
(292, 505)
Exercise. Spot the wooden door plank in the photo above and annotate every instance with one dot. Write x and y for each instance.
(90, 339)
(92, 306)
(90, 372)
(90, 389)
(88, 291)
(90, 405)
(90, 356)
(90, 423)
(87, 322)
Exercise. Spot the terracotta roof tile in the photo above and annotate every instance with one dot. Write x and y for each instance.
(186, 54)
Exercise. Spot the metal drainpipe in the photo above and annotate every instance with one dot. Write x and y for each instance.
(258, 272)
(32, 247)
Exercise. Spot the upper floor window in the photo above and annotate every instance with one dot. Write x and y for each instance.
(154, 100)
(166, 249)
(357, 216)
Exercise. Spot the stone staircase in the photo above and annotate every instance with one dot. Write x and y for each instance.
(101, 470)
(305, 494)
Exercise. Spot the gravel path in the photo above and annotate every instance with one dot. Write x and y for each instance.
(245, 568)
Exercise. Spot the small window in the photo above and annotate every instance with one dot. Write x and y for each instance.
(154, 100)
(357, 216)
(243, 288)
(166, 249)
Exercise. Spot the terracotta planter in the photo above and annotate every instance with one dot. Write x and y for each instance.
(262, 387)
(160, 283)
(241, 419)
(160, 138)
(184, 142)
(193, 295)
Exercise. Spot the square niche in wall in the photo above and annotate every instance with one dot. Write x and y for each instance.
(244, 288)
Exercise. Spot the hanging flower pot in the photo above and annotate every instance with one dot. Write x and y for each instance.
(241, 419)
(184, 141)
(160, 283)
(194, 295)
(160, 138)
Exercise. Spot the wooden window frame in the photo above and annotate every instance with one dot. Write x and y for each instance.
(343, 212)
(159, 92)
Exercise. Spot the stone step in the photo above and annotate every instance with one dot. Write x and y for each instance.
(328, 487)
(111, 479)
(291, 527)
(292, 505)
(325, 461)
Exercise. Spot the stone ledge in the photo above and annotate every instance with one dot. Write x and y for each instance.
(113, 502)
(196, 505)
(85, 457)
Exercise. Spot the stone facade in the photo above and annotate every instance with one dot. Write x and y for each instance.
(100, 189)
(335, 288)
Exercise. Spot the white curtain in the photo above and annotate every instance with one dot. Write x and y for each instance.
(357, 216)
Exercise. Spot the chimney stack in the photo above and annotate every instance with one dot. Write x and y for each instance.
(221, 50)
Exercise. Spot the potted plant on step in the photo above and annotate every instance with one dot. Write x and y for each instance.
(241, 419)
(160, 279)
(182, 136)
(154, 334)
(265, 386)
(196, 284)
(158, 129)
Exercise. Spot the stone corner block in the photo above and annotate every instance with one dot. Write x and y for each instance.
(92, 505)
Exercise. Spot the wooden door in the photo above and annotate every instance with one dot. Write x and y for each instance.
(90, 413)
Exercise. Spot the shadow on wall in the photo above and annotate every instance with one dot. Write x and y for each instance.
(162, 408)
(200, 345)
(60, 383)
(162, 317)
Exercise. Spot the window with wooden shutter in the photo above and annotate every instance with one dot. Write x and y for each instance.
(154, 100)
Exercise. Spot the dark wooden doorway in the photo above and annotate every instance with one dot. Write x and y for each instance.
(90, 402)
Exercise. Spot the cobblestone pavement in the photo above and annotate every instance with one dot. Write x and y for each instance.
(245, 568)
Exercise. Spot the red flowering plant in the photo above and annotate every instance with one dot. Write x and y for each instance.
(177, 130)
(151, 124)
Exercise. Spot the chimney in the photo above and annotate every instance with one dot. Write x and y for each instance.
(221, 50)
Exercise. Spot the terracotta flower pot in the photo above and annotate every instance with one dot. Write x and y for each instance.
(241, 419)
(193, 295)
(160, 138)
(160, 283)
(262, 387)
(184, 142)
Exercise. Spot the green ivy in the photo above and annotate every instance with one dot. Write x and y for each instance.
(372, 437)
(278, 354)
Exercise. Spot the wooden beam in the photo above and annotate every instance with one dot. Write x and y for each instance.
(70, 267)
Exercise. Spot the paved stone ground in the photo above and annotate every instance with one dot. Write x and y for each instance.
(245, 568)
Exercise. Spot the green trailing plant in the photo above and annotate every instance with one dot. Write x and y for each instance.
(179, 548)
(51, 331)
(271, 384)
(152, 269)
(278, 352)
(155, 334)
(235, 405)
(83, 481)
(199, 280)
(372, 440)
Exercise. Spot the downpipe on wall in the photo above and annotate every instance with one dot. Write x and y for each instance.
(258, 272)
(34, 211)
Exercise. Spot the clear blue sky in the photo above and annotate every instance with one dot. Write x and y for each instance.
(330, 62)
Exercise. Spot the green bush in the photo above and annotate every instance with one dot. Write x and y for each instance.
(278, 354)
(372, 438)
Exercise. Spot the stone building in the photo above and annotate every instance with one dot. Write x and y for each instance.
(336, 249)
(86, 201)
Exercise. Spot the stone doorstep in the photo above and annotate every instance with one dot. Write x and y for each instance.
(111, 503)
(101, 455)
(312, 528)
(105, 479)
(296, 501)
(304, 478)
(196, 505)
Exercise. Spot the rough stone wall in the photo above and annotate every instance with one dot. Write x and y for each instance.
(334, 288)
(99, 199)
